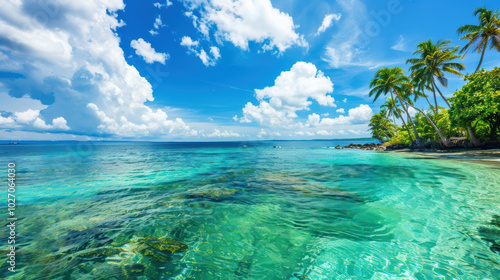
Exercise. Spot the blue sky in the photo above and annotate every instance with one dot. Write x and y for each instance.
(210, 70)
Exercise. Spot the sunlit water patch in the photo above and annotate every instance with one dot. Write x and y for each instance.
(248, 211)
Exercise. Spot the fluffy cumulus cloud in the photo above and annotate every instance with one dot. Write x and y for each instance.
(208, 59)
(144, 50)
(31, 120)
(243, 21)
(292, 91)
(360, 114)
(328, 22)
(72, 62)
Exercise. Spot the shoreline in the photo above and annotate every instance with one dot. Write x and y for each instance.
(489, 156)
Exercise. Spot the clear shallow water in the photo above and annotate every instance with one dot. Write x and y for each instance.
(226, 211)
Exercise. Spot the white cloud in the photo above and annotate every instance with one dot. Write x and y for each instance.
(360, 114)
(240, 22)
(304, 133)
(76, 65)
(412, 111)
(144, 50)
(323, 132)
(313, 119)
(341, 110)
(194, 47)
(158, 23)
(345, 100)
(6, 122)
(26, 116)
(355, 132)
(291, 92)
(219, 134)
(159, 5)
(400, 45)
(57, 124)
(188, 42)
(215, 52)
(328, 22)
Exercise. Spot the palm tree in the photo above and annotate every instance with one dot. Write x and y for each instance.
(381, 127)
(433, 62)
(390, 109)
(418, 91)
(411, 91)
(393, 81)
(487, 33)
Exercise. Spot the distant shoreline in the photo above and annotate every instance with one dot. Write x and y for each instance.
(489, 155)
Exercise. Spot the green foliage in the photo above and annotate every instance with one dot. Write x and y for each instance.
(478, 102)
(401, 138)
(382, 129)
(441, 119)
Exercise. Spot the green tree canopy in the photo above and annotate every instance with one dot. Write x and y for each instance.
(478, 102)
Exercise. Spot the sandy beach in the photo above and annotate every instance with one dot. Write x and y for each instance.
(487, 157)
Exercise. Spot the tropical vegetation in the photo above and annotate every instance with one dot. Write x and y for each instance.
(471, 117)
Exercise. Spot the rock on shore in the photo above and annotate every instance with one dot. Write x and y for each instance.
(370, 146)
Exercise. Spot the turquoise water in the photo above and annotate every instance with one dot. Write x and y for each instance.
(248, 211)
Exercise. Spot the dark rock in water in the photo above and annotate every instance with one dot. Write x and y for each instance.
(492, 237)
(165, 244)
(160, 249)
(492, 234)
(244, 266)
(134, 268)
(368, 146)
(214, 194)
(396, 147)
(338, 147)
(101, 252)
(156, 255)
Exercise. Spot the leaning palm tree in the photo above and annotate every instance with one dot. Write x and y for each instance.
(419, 88)
(393, 81)
(433, 62)
(411, 91)
(487, 33)
(390, 109)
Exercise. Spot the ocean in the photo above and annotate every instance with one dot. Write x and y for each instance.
(246, 210)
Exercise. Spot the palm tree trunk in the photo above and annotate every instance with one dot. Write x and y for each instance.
(403, 120)
(442, 96)
(436, 109)
(481, 61)
(430, 105)
(417, 138)
(472, 135)
(473, 138)
(445, 140)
